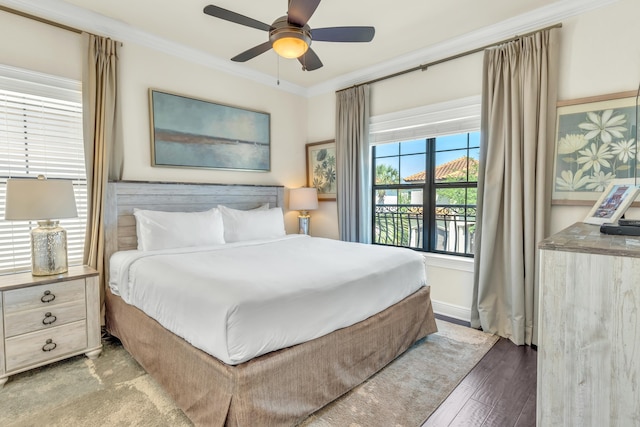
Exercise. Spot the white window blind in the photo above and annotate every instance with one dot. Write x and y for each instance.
(40, 134)
(446, 118)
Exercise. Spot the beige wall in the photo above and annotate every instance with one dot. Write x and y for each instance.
(51, 50)
(143, 68)
(321, 127)
(599, 54)
(39, 47)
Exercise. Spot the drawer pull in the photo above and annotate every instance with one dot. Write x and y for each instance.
(49, 345)
(49, 319)
(47, 297)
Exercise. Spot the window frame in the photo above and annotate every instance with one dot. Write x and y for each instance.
(450, 117)
(429, 190)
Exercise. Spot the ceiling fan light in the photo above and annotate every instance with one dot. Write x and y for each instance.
(290, 47)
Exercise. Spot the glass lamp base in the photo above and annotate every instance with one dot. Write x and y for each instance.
(303, 224)
(48, 249)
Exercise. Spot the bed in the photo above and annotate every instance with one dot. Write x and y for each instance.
(275, 387)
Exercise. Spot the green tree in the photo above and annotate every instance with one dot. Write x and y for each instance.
(458, 196)
(385, 175)
(393, 226)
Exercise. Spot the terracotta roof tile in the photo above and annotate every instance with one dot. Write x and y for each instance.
(453, 168)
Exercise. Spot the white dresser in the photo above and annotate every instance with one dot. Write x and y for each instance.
(589, 329)
(48, 318)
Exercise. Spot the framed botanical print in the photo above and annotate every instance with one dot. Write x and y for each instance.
(596, 143)
(321, 168)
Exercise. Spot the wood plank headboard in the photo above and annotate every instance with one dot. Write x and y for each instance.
(123, 196)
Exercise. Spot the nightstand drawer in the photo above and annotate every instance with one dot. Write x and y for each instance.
(24, 321)
(30, 349)
(43, 296)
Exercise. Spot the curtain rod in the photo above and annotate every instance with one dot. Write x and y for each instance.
(37, 18)
(423, 67)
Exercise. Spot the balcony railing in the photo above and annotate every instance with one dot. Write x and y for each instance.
(403, 225)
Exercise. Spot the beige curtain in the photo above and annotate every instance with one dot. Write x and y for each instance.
(517, 127)
(103, 158)
(352, 164)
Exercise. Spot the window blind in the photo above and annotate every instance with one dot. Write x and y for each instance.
(446, 118)
(40, 134)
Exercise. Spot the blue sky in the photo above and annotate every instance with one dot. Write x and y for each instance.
(409, 157)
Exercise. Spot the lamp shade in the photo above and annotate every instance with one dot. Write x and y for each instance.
(303, 199)
(39, 199)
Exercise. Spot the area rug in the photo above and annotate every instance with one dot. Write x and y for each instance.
(114, 390)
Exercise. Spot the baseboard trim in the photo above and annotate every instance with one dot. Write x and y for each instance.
(452, 311)
(452, 320)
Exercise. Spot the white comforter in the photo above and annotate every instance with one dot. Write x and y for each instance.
(240, 300)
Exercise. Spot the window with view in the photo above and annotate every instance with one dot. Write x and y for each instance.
(425, 192)
(40, 133)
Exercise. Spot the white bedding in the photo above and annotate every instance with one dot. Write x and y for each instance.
(241, 300)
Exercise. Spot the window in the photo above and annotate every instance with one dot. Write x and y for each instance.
(424, 174)
(425, 193)
(40, 133)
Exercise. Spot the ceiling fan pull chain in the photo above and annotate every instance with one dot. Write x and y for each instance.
(278, 59)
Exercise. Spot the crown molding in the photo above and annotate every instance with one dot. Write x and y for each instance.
(521, 24)
(86, 20)
(83, 19)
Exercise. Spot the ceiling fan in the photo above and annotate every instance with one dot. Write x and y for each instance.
(290, 35)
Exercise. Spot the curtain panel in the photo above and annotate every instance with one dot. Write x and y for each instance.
(352, 164)
(514, 183)
(103, 158)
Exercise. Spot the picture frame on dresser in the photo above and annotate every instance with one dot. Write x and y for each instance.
(613, 202)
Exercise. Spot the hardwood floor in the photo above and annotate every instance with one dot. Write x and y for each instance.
(499, 392)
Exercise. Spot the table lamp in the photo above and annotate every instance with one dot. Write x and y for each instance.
(303, 199)
(45, 201)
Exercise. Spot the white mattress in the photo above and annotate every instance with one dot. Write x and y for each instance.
(241, 300)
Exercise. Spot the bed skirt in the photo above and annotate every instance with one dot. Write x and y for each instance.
(280, 388)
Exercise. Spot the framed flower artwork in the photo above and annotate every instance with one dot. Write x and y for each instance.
(321, 169)
(596, 143)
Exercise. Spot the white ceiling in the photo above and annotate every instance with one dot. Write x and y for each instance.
(409, 33)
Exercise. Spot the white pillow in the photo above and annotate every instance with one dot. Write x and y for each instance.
(166, 230)
(254, 224)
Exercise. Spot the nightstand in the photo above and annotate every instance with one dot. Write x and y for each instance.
(48, 318)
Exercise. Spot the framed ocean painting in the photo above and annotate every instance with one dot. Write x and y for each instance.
(194, 133)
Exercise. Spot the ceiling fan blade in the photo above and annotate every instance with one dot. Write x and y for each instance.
(301, 10)
(252, 53)
(343, 34)
(227, 15)
(310, 61)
